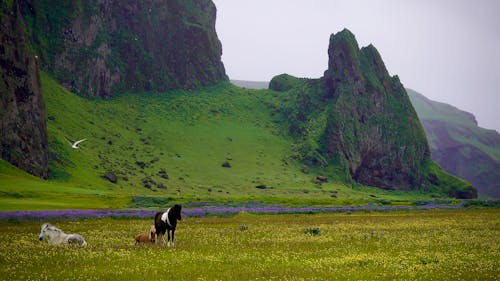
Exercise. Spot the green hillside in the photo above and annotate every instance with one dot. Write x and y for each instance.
(456, 141)
(184, 136)
(173, 146)
(428, 111)
(459, 145)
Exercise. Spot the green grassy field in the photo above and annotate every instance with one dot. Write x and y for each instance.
(414, 245)
(173, 145)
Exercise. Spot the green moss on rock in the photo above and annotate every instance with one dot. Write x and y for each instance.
(23, 138)
(284, 82)
(100, 48)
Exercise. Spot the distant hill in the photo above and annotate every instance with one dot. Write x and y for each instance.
(250, 84)
(459, 145)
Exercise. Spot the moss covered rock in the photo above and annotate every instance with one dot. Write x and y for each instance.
(23, 139)
(358, 124)
(99, 48)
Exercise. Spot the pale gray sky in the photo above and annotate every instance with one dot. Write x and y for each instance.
(448, 50)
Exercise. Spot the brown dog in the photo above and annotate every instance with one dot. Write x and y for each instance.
(145, 237)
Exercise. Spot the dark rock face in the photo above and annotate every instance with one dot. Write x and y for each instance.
(22, 111)
(103, 47)
(111, 177)
(357, 123)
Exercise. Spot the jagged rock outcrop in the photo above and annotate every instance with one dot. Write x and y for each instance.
(103, 47)
(22, 111)
(357, 121)
(459, 145)
(373, 125)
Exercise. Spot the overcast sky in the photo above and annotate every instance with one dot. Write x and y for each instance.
(448, 50)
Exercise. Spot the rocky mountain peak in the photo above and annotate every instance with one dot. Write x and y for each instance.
(343, 62)
(374, 127)
(371, 59)
(358, 122)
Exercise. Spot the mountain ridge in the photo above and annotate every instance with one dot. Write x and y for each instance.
(459, 145)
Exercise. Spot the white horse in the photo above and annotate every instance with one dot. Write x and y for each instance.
(57, 236)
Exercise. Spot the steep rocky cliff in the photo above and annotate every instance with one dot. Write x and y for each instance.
(357, 122)
(372, 124)
(102, 47)
(22, 112)
(459, 145)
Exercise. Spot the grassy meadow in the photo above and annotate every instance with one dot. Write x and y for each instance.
(409, 245)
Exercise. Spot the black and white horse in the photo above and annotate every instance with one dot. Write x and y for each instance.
(57, 236)
(166, 222)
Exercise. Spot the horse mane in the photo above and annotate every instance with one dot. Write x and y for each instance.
(51, 227)
(46, 225)
(176, 211)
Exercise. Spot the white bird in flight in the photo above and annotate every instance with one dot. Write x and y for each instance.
(76, 143)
